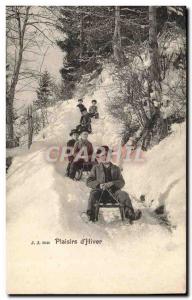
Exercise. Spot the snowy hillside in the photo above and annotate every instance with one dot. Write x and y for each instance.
(42, 204)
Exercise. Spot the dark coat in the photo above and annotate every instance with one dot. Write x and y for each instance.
(70, 144)
(85, 120)
(80, 144)
(93, 109)
(81, 106)
(97, 176)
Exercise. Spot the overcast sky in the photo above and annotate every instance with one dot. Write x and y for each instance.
(41, 55)
(52, 62)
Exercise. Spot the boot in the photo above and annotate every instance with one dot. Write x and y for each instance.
(133, 215)
(137, 215)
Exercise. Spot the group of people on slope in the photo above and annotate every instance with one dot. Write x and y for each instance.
(79, 140)
(105, 178)
(85, 121)
(82, 151)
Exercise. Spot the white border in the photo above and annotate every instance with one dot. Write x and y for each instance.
(2, 152)
(2, 103)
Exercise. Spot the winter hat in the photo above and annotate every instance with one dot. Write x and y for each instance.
(94, 101)
(83, 130)
(80, 100)
(72, 132)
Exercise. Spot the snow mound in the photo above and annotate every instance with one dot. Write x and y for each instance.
(161, 175)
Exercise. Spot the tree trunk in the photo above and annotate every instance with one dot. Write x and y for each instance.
(81, 36)
(149, 99)
(117, 51)
(30, 125)
(153, 51)
(9, 122)
(155, 71)
(14, 81)
(142, 112)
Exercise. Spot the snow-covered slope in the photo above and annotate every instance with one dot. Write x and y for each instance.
(161, 175)
(42, 205)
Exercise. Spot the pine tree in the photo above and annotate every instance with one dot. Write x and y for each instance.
(93, 33)
(88, 33)
(44, 95)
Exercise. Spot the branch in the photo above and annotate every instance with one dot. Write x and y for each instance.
(43, 58)
(41, 22)
(52, 42)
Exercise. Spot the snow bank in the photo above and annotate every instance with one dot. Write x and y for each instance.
(161, 175)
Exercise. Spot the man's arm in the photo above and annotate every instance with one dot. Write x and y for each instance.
(92, 180)
(81, 120)
(76, 148)
(88, 120)
(118, 183)
(90, 149)
(69, 145)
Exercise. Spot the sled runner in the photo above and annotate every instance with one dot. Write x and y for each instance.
(114, 203)
(109, 205)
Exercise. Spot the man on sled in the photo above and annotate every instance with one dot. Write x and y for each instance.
(83, 151)
(85, 122)
(93, 110)
(106, 182)
(70, 144)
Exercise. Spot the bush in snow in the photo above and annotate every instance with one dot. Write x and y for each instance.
(135, 99)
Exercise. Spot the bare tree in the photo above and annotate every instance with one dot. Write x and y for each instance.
(117, 49)
(24, 27)
(81, 35)
(153, 51)
(21, 29)
(30, 125)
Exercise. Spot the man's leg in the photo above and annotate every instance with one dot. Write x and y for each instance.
(125, 201)
(89, 129)
(68, 169)
(96, 115)
(94, 198)
(123, 198)
(73, 168)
